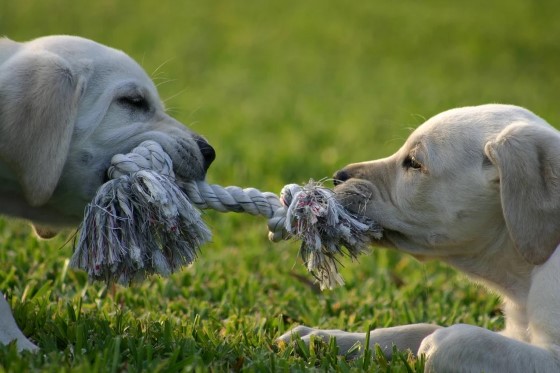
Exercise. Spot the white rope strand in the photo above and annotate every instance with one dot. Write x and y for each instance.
(231, 198)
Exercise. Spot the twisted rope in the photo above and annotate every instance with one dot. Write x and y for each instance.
(142, 221)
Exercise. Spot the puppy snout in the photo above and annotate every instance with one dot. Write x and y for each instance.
(340, 176)
(207, 151)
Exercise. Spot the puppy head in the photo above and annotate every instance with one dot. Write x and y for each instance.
(446, 192)
(75, 103)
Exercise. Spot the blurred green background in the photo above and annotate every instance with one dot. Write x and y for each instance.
(288, 90)
(285, 91)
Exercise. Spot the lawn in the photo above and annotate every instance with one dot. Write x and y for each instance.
(285, 91)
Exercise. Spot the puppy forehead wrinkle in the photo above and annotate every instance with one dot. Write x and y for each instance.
(129, 87)
(445, 145)
(136, 88)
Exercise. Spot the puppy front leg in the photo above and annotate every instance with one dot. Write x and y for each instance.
(405, 337)
(468, 348)
(9, 330)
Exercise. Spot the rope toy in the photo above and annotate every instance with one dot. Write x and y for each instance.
(143, 221)
(312, 214)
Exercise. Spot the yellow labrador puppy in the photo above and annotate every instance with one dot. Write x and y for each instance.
(67, 105)
(478, 188)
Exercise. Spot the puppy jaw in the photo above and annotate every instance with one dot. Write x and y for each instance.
(44, 232)
(185, 149)
(361, 197)
(367, 189)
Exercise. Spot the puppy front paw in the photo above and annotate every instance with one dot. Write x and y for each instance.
(300, 331)
(459, 347)
(349, 344)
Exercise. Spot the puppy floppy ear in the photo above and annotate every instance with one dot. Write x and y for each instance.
(528, 161)
(39, 94)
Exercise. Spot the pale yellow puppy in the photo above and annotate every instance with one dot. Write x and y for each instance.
(477, 188)
(67, 105)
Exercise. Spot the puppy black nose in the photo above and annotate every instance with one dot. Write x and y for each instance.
(340, 176)
(208, 152)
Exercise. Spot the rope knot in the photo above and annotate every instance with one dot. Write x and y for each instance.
(149, 155)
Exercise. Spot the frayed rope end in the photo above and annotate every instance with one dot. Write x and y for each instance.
(139, 225)
(327, 230)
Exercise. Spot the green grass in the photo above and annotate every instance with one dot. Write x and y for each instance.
(285, 91)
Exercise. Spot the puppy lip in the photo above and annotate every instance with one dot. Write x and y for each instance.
(105, 177)
(398, 240)
(353, 189)
(188, 163)
(339, 179)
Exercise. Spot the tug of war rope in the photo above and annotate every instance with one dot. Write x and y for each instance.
(143, 221)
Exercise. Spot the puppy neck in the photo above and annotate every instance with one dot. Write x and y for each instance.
(500, 268)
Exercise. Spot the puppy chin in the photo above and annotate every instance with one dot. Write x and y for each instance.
(44, 232)
(354, 194)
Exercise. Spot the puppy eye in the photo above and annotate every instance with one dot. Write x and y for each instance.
(411, 162)
(134, 102)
